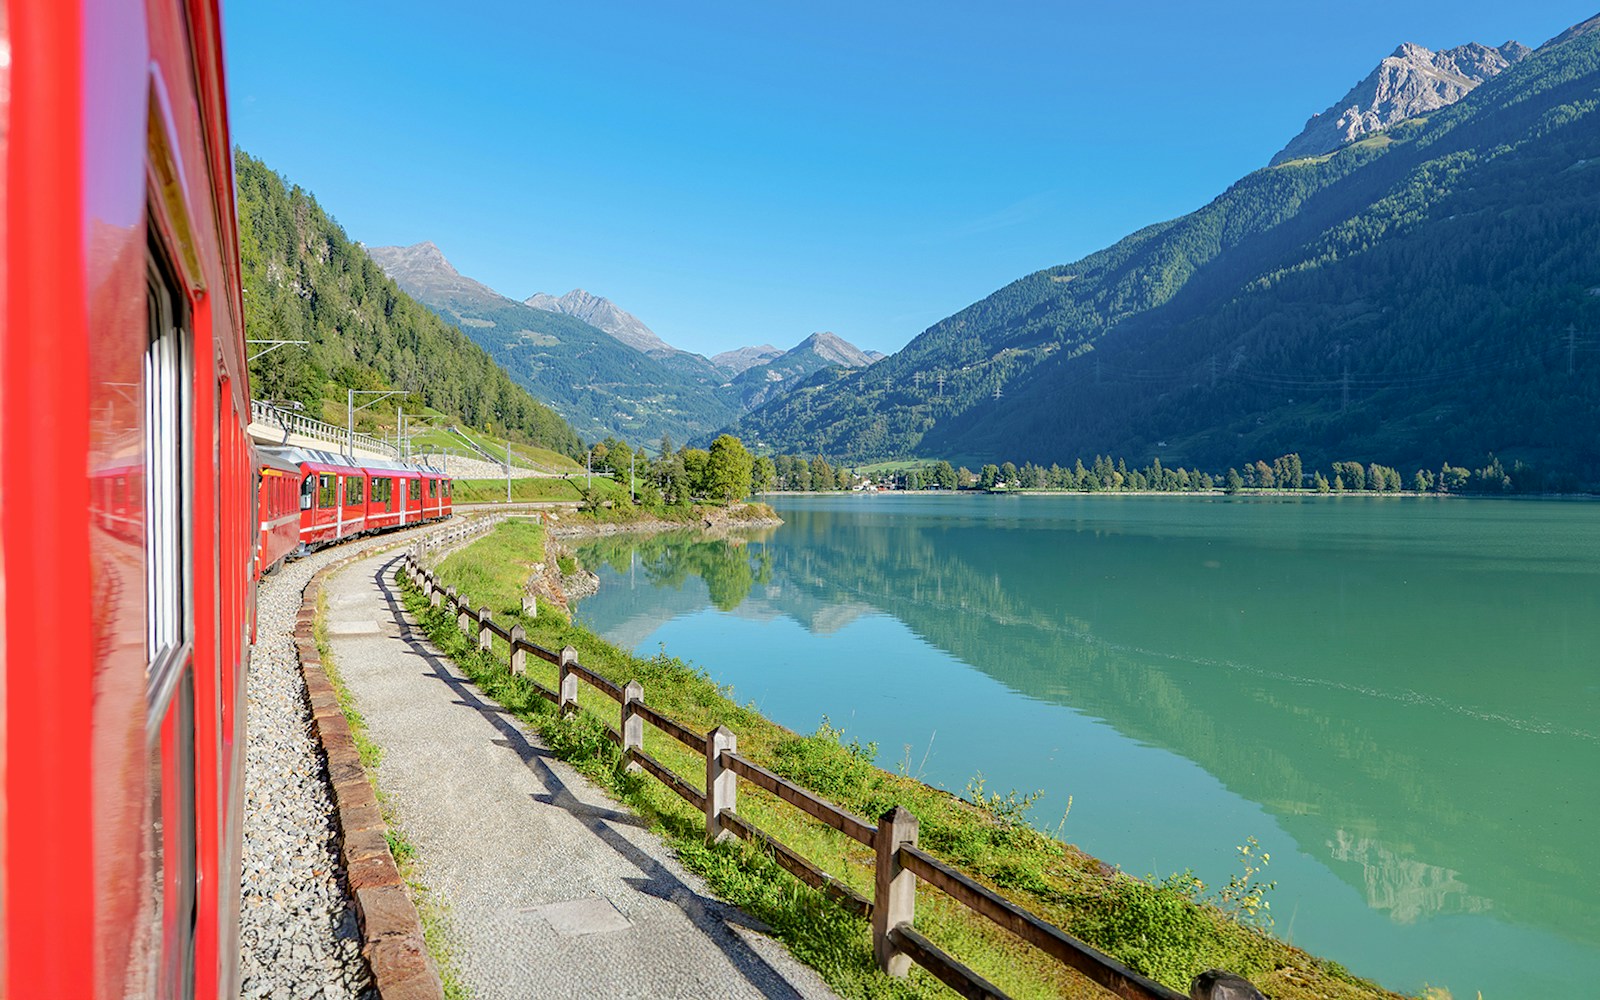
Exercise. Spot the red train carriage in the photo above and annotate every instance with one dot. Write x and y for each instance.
(309, 499)
(126, 521)
(278, 507)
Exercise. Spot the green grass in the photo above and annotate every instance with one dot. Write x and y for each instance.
(522, 490)
(537, 489)
(899, 465)
(1156, 927)
(525, 454)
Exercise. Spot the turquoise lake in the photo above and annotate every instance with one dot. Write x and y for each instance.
(1399, 698)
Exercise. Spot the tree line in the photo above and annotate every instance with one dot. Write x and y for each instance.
(728, 472)
(724, 473)
(1105, 474)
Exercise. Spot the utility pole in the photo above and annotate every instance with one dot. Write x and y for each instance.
(350, 409)
(508, 471)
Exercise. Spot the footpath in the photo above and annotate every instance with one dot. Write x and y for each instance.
(550, 889)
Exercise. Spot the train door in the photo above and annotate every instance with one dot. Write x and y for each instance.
(355, 504)
(307, 507)
(380, 505)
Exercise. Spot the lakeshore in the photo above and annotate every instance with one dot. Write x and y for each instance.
(987, 837)
(1285, 668)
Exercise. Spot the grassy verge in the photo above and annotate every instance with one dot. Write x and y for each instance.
(522, 490)
(431, 911)
(1165, 930)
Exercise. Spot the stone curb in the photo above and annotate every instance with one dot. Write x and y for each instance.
(392, 942)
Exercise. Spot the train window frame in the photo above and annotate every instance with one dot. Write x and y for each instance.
(355, 491)
(169, 411)
(327, 491)
(415, 489)
(168, 377)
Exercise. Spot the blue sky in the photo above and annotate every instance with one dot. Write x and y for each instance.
(740, 173)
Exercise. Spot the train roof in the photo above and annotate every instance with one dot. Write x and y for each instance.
(288, 457)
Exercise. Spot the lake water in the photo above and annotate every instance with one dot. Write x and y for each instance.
(1399, 698)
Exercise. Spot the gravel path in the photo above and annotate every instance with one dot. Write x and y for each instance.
(298, 934)
(552, 890)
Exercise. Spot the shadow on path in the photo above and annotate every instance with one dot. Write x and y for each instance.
(712, 917)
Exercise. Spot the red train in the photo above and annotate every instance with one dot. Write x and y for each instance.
(309, 499)
(126, 520)
(134, 509)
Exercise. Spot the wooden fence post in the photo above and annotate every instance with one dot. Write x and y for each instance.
(485, 637)
(722, 784)
(568, 686)
(519, 656)
(434, 596)
(464, 612)
(632, 728)
(894, 901)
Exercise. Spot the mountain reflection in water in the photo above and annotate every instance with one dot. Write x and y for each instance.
(1407, 688)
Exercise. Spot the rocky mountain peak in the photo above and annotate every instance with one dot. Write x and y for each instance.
(422, 271)
(735, 361)
(418, 256)
(1411, 81)
(834, 349)
(604, 314)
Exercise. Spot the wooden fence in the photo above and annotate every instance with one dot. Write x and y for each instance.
(900, 863)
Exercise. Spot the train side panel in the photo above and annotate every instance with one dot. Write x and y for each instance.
(125, 549)
(279, 525)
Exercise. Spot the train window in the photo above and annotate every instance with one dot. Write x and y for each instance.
(169, 677)
(168, 373)
(327, 491)
(308, 489)
(381, 490)
(416, 489)
(446, 484)
(354, 490)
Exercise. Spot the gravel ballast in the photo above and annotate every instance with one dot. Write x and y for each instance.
(298, 934)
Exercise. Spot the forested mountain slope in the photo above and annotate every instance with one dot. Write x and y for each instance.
(605, 387)
(1404, 300)
(305, 280)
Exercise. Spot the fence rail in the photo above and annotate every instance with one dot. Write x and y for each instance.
(318, 430)
(847, 823)
(900, 863)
